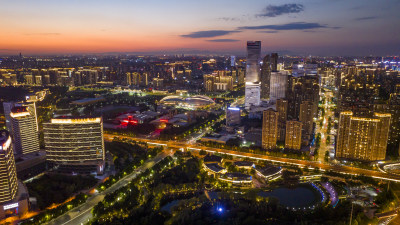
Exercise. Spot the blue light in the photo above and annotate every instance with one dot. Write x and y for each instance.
(219, 209)
(234, 108)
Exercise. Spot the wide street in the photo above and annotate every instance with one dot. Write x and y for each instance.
(324, 147)
(302, 163)
(83, 213)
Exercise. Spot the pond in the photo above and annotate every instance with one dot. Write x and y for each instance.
(167, 207)
(301, 196)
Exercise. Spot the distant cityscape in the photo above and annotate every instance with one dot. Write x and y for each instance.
(101, 139)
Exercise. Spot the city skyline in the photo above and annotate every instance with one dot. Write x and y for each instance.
(288, 27)
(200, 112)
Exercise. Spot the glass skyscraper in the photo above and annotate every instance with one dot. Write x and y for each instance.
(252, 85)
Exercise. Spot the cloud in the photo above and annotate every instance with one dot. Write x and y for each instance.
(223, 40)
(209, 33)
(277, 10)
(42, 34)
(366, 18)
(268, 31)
(288, 26)
(227, 19)
(356, 8)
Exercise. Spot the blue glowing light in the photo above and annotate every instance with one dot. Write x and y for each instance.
(219, 209)
(234, 108)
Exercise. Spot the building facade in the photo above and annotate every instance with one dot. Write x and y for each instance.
(252, 85)
(282, 108)
(307, 117)
(75, 145)
(265, 77)
(270, 129)
(293, 134)
(278, 85)
(232, 116)
(362, 138)
(25, 130)
(8, 178)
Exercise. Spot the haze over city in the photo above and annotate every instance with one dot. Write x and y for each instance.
(200, 112)
(306, 27)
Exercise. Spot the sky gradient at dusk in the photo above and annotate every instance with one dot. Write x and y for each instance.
(318, 27)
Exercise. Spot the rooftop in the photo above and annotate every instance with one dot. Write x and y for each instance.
(243, 163)
(214, 167)
(268, 170)
(238, 176)
(19, 109)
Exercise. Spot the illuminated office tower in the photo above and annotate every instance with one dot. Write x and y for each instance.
(293, 134)
(232, 116)
(270, 129)
(282, 108)
(362, 138)
(252, 85)
(8, 174)
(306, 117)
(7, 107)
(278, 85)
(25, 129)
(265, 77)
(75, 145)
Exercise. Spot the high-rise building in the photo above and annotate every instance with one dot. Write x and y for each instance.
(392, 107)
(282, 108)
(25, 129)
(293, 134)
(301, 89)
(307, 117)
(232, 116)
(217, 82)
(75, 144)
(233, 61)
(240, 75)
(270, 129)
(133, 79)
(8, 174)
(362, 138)
(301, 69)
(265, 77)
(29, 79)
(274, 62)
(7, 106)
(252, 85)
(128, 78)
(158, 82)
(144, 79)
(278, 85)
